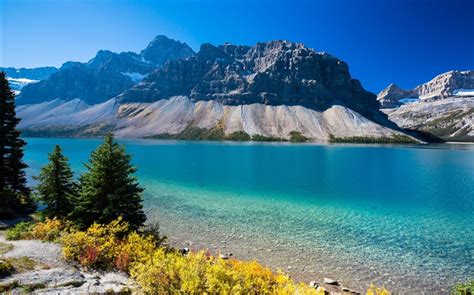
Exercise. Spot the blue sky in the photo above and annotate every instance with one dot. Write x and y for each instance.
(405, 41)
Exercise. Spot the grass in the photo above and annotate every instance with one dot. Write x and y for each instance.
(24, 264)
(5, 247)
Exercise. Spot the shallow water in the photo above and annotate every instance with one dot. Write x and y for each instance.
(395, 215)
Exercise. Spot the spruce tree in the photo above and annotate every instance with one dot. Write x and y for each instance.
(14, 194)
(108, 189)
(56, 187)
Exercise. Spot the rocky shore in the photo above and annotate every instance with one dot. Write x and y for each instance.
(47, 273)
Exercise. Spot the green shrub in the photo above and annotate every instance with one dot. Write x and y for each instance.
(238, 136)
(6, 268)
(24, 264)
(466, 288)
(296, 136)
(258, 137)
(394, 138)
(20, 231)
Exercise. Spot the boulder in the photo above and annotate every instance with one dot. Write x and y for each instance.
(330, 281)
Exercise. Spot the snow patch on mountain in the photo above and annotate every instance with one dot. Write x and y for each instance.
(463, 92)
(408, 100)
(136, 77)
(22, 81)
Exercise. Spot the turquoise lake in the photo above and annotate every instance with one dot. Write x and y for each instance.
(402, 216)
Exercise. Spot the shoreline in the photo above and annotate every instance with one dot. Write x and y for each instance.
(300, 262)
(289, 142)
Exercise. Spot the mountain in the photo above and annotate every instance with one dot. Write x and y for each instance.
(179, 117)
(104, 76)
(442, 108)
(270, 73)
(20, 77)
(449, 84)
(274, 90)
(163, 49)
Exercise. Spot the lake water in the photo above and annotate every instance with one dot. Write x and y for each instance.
(402, 216)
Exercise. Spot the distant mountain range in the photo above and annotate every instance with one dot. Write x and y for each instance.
(270, 90)
(104, 76)
(442, 107)
(19, 78)
(449, 84)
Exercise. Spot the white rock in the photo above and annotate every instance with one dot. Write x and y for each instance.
(330, 281)
(313, 284)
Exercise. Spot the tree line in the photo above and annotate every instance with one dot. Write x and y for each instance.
(107, 190)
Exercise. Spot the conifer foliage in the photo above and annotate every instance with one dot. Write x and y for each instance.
(108, 189)
(56, 187)
(14, 194)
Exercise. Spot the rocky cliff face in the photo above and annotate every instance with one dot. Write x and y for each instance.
(452, 83)
(390, 97)
(271, 73)
(442, 108)
(104, 76)
(271, 89)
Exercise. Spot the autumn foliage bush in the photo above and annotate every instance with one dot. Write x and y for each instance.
(375, 290)
(50, 229)
(162, 270)
(200, 273)
(47, 230)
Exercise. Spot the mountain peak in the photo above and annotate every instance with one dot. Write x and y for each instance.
(442, 86)
(162, 49)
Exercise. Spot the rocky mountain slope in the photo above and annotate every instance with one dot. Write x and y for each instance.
(268, 90)
(104, 76)
(179, 114)
(449, 84)
(442, 108)
(271, 73)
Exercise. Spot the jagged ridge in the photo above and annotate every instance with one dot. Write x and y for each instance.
(104, 76)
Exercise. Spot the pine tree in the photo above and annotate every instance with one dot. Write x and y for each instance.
(56, 187)
(109, 189)
(14, 194)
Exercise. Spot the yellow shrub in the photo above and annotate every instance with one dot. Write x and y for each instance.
(159, 270)
(96, 247)
(49, 230)
(199, 273)
(373, 290)
(134, 247)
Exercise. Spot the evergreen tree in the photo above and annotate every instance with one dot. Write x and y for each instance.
(108, 188)
(56, 186)
(14, 194)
